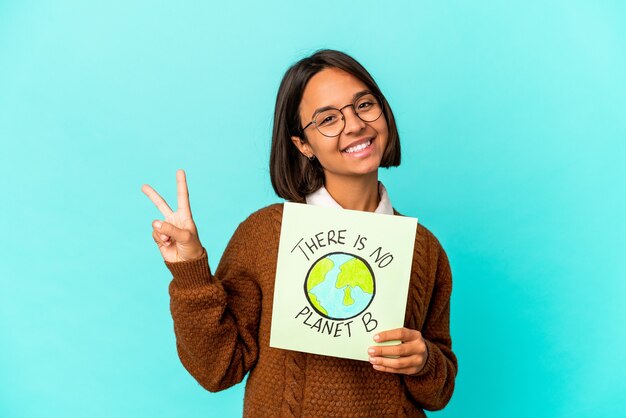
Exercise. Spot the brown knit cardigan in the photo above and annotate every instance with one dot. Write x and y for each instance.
(222, 326)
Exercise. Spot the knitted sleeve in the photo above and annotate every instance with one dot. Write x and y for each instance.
(216, 316)
(432, 387)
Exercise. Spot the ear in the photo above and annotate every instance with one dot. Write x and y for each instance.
(302, 146)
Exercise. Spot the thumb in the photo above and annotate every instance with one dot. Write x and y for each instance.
(180, 235)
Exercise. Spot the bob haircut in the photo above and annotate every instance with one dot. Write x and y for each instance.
(293, 175)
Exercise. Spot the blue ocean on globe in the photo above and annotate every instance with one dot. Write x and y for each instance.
(331, 298)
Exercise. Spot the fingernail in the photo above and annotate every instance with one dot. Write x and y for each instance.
(372, 360)
(377, 367)
(371, 351)
(376, 337)
(158, 224)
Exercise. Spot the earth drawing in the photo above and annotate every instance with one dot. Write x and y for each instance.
(340, 285)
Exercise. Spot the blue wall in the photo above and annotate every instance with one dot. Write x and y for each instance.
(512, 120)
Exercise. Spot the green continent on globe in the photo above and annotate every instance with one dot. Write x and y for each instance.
(316, 303)
(347, 297)
(355, 273)
(317, 276)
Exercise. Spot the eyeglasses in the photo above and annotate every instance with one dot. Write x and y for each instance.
(331, 122)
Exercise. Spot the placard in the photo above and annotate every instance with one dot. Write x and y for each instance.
(341, 277)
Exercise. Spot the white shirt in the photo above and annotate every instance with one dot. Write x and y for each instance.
(321, 197)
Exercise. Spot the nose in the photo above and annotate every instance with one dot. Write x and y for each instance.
(353, 123)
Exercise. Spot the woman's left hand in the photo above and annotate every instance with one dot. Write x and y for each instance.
(411, 353)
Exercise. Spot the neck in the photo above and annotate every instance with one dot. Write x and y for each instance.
(356, 193)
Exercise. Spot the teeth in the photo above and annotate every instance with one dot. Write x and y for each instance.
(359, 147)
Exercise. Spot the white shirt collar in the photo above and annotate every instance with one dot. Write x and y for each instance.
(321, 197)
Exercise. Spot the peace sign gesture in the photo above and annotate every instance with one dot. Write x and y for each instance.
(177, 236)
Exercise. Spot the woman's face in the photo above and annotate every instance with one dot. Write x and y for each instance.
(338, 155)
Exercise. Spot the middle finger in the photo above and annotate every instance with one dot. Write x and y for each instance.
(160, 203)
(392, 350)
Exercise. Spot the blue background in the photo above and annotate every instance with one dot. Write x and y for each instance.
(512, 120)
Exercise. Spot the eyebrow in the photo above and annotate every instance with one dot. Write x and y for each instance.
(325, 108)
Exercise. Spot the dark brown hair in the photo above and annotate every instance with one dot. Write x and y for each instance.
(293, 175)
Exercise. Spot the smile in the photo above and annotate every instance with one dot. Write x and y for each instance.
(358, 147)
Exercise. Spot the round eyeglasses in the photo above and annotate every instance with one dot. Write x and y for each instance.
(331, 122)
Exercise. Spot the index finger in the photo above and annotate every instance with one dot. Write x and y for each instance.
(183, 192)
(399, 334)
(157, 200)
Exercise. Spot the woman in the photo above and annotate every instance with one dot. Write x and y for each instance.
(333, 129)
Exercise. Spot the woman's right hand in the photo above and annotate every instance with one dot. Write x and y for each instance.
(176, 236)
